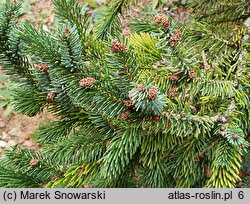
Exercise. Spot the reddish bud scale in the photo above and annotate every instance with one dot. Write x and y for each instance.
(51, 96)
(208, 171)
(175, 37)
(43, 68)
(87, 186)
(192, 73)
(125, 114)
(86, 82)
(54, 178)
(241, 174)
(33, 162)
(174, 77)
(172, 92)
(152, 93)
(161, 18)
(155, 118)
(116, 46)
(235, 136)
(67, 31)
(128, 103)
(158, 18)
(87, 63)
(140, 87)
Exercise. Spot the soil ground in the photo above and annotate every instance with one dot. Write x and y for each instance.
(16, 128)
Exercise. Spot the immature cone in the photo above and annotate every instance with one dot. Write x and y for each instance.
(192, 73)
(152, 93)
(178, 70)
(175, 37)
(54, 178)
(165, 22)
(174, 77)
(87, 186)
(235, 136)
(51, 96)
(161, 18)
(201, 156)
(140, 87)
(117, 46)
(87, 63)
(67, 31)
(155, 118)
(33, 162)
(172, 92)
(86, 82)
(158, 18)
(128, 103)
(208, 171)
(125, 115)
(241, 174)
(43, 68)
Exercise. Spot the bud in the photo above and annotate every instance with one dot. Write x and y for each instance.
(192, 73)
(117, 46)
(161, 18)
(33, 162)
(152, 93)
(128, 103)
(158, 18)
(87, 63)
(87, 186)
(208, 171)
(86, 82)
(67, 31)
(51, 96)
(172, 92)
(175, 37)
(125, 114)
(174, 77)
(54, 178)
(235, 137)
(140, 87)
(43, 68)
(155, 118)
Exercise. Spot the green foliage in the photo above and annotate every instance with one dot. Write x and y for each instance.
(224, 11)
(225, 166)
(168, 106)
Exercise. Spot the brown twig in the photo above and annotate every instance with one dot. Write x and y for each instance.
(206, 65)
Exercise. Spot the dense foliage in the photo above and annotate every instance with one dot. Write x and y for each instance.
(167, 106)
